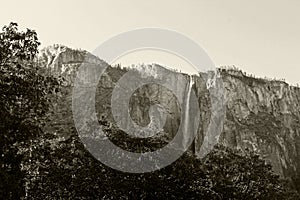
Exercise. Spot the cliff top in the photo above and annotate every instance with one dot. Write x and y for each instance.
(53, 52)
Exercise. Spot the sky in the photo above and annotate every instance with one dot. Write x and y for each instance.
(259, 37)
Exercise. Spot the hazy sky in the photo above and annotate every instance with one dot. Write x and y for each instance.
(259, 36)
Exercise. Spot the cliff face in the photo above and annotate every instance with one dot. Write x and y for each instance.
(259, 114)
(264, 116)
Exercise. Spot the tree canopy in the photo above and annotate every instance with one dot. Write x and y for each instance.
(24, 101)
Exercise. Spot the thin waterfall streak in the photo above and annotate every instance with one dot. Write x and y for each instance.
(186, 114)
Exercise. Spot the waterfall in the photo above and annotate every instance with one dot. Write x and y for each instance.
(186, 113)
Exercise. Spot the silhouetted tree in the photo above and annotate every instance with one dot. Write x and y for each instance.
(23, 103)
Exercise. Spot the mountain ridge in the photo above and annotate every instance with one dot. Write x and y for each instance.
(261, 114)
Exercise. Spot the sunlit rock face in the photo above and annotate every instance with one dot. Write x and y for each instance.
(262, 115)
(61, 60)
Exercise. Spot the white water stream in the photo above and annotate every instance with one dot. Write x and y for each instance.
(186, 113)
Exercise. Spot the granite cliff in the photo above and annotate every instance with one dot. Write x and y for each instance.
(259, 114)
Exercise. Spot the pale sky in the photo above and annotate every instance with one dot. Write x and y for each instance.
(261, 37)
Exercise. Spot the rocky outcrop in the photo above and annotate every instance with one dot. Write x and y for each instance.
(259, 114)
(61, 60)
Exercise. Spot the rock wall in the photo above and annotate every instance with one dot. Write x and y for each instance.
(262, 115)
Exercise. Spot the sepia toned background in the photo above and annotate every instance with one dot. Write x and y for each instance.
(260, 37)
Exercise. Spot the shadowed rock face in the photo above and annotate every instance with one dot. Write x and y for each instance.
(262, 115)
